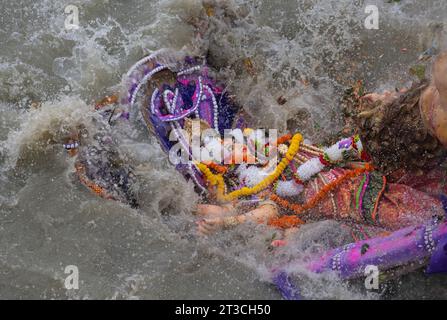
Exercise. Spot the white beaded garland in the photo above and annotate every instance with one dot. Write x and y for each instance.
(69, 146)
(310, 168)
(140, 63)
(189, 70)
(170, 105)
(336, 262)
(288, 188)
(143, 81)
(215, 107)
(154, 95)
(430, 245)
(251, 176)
(333, 154)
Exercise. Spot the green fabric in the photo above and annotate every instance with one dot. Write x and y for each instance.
(359, 191)
(371, 194)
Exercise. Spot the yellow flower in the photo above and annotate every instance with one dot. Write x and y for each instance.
(292, 151)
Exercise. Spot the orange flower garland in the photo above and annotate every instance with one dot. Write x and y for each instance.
(245, 191)
(284, 139)
(285, 221)
(216, 167)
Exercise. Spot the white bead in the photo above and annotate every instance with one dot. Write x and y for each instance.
(288, 188)
(308, 169)
(143, 81)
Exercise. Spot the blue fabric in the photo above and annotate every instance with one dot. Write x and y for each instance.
(288, 290)
(438, 261)
(444, 204)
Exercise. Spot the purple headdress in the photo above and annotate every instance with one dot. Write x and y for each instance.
(195, 95)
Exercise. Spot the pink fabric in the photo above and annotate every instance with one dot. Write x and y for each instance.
(401, 205)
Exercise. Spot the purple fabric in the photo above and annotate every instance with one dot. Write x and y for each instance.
(192, 100)
(207, 113)
(438, 261)
(180, 111)
(401, 247)
(287, 289)
(444, 204)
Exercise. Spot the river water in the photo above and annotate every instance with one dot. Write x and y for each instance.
(306, 51)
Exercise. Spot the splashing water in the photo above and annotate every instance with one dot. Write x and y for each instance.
(304, 52)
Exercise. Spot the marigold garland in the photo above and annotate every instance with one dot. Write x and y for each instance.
(299, 209)
(285, 222)
(216, 167)
(211, 177)
(283, 139)
(245, 191)
(288, 221)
